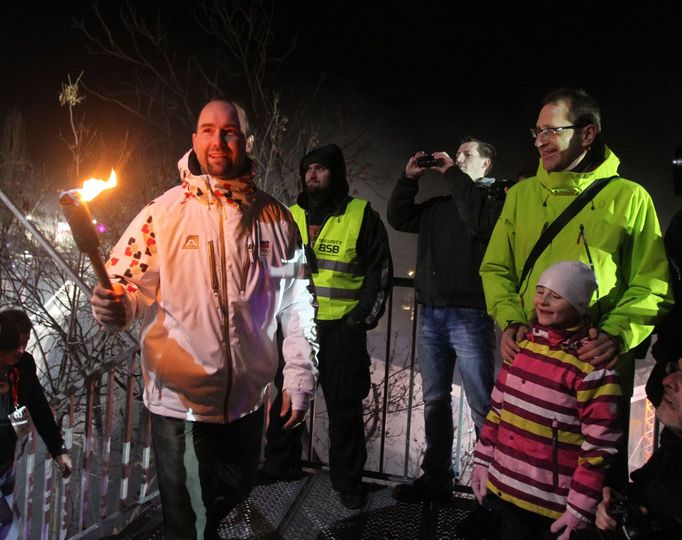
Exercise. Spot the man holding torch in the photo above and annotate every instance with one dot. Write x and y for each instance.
(210, 267)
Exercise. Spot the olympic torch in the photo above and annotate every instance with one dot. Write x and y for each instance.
(77, 213)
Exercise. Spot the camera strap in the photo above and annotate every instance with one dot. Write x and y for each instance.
(560, 222)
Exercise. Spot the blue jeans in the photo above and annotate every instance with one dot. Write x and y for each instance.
(446, 335)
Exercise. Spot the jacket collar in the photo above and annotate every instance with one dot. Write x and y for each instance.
(571, 182)
(565, 338)
(238, 193)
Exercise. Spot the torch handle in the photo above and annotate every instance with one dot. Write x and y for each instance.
(99, 268)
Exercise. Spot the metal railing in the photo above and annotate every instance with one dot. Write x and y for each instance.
(108, 434)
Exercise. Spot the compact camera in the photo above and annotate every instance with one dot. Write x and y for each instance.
(427, 161)
(632, 524)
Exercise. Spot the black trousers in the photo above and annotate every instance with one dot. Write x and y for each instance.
(345, 381)
(204, 470)
(515, 523)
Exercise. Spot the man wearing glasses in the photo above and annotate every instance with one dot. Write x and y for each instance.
(616, 233)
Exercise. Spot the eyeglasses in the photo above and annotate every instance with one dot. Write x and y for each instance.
(552, 131)
(672, 367)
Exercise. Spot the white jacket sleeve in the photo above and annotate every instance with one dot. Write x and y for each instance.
(133, 262)
(297, 319)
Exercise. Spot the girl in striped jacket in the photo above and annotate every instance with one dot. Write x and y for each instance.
(553, 426)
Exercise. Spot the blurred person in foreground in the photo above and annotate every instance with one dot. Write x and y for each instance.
(651, 505)
(22, 402)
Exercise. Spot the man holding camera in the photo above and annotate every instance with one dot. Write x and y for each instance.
(453, 235)
(654, 498)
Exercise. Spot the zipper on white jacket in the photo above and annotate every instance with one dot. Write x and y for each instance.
(226, 318)
(245, 267)
(214, 279)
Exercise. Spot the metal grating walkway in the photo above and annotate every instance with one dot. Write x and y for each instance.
(309, 509)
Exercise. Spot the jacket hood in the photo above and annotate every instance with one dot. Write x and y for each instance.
(564, 182)
(331, 156)
(237, 192)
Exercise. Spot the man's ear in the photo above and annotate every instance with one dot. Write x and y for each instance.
(486, 163)
(249, 144)
(589, 135)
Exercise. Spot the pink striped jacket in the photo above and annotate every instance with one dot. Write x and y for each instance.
(552, 428)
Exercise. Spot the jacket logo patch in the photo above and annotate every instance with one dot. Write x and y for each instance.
(264, 247)
(191, 242)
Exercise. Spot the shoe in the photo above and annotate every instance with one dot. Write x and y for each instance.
(418, 492)
(353, 500)
(480, 524)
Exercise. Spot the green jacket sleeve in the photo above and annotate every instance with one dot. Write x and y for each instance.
(644, 267)
(498, 269)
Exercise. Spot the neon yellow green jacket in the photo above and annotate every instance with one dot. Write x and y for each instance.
(622, 235)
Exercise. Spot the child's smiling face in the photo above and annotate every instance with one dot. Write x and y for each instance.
(552, 310)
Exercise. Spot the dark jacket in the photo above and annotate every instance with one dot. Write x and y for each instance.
(453, 235)
(658, 486)
(372, 243)
(668, 345)
(31, 395)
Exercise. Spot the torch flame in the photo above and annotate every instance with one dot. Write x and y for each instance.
(93, 186)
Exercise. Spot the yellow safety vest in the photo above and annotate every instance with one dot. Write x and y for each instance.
(339, 276)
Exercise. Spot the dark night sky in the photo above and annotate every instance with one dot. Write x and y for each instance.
(418, 77)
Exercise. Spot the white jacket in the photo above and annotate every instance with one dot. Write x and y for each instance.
(187, 255)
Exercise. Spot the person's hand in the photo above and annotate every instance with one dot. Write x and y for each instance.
(109, 305)
(479, 482)
(568, 522)
(412, 170)
(604, 521)
(600, 348)
(65, 465)
(509, 347)
(297, 417)
(445, 160)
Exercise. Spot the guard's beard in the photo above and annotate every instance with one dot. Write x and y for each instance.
(319, 196)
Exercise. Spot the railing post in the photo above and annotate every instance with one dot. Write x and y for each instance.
(106, 443)
(87, 455)
(66, 484)
(408, 429)
(387, 371)
(46, 498)
(146, 458)
(127, 436)
(27, 510)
